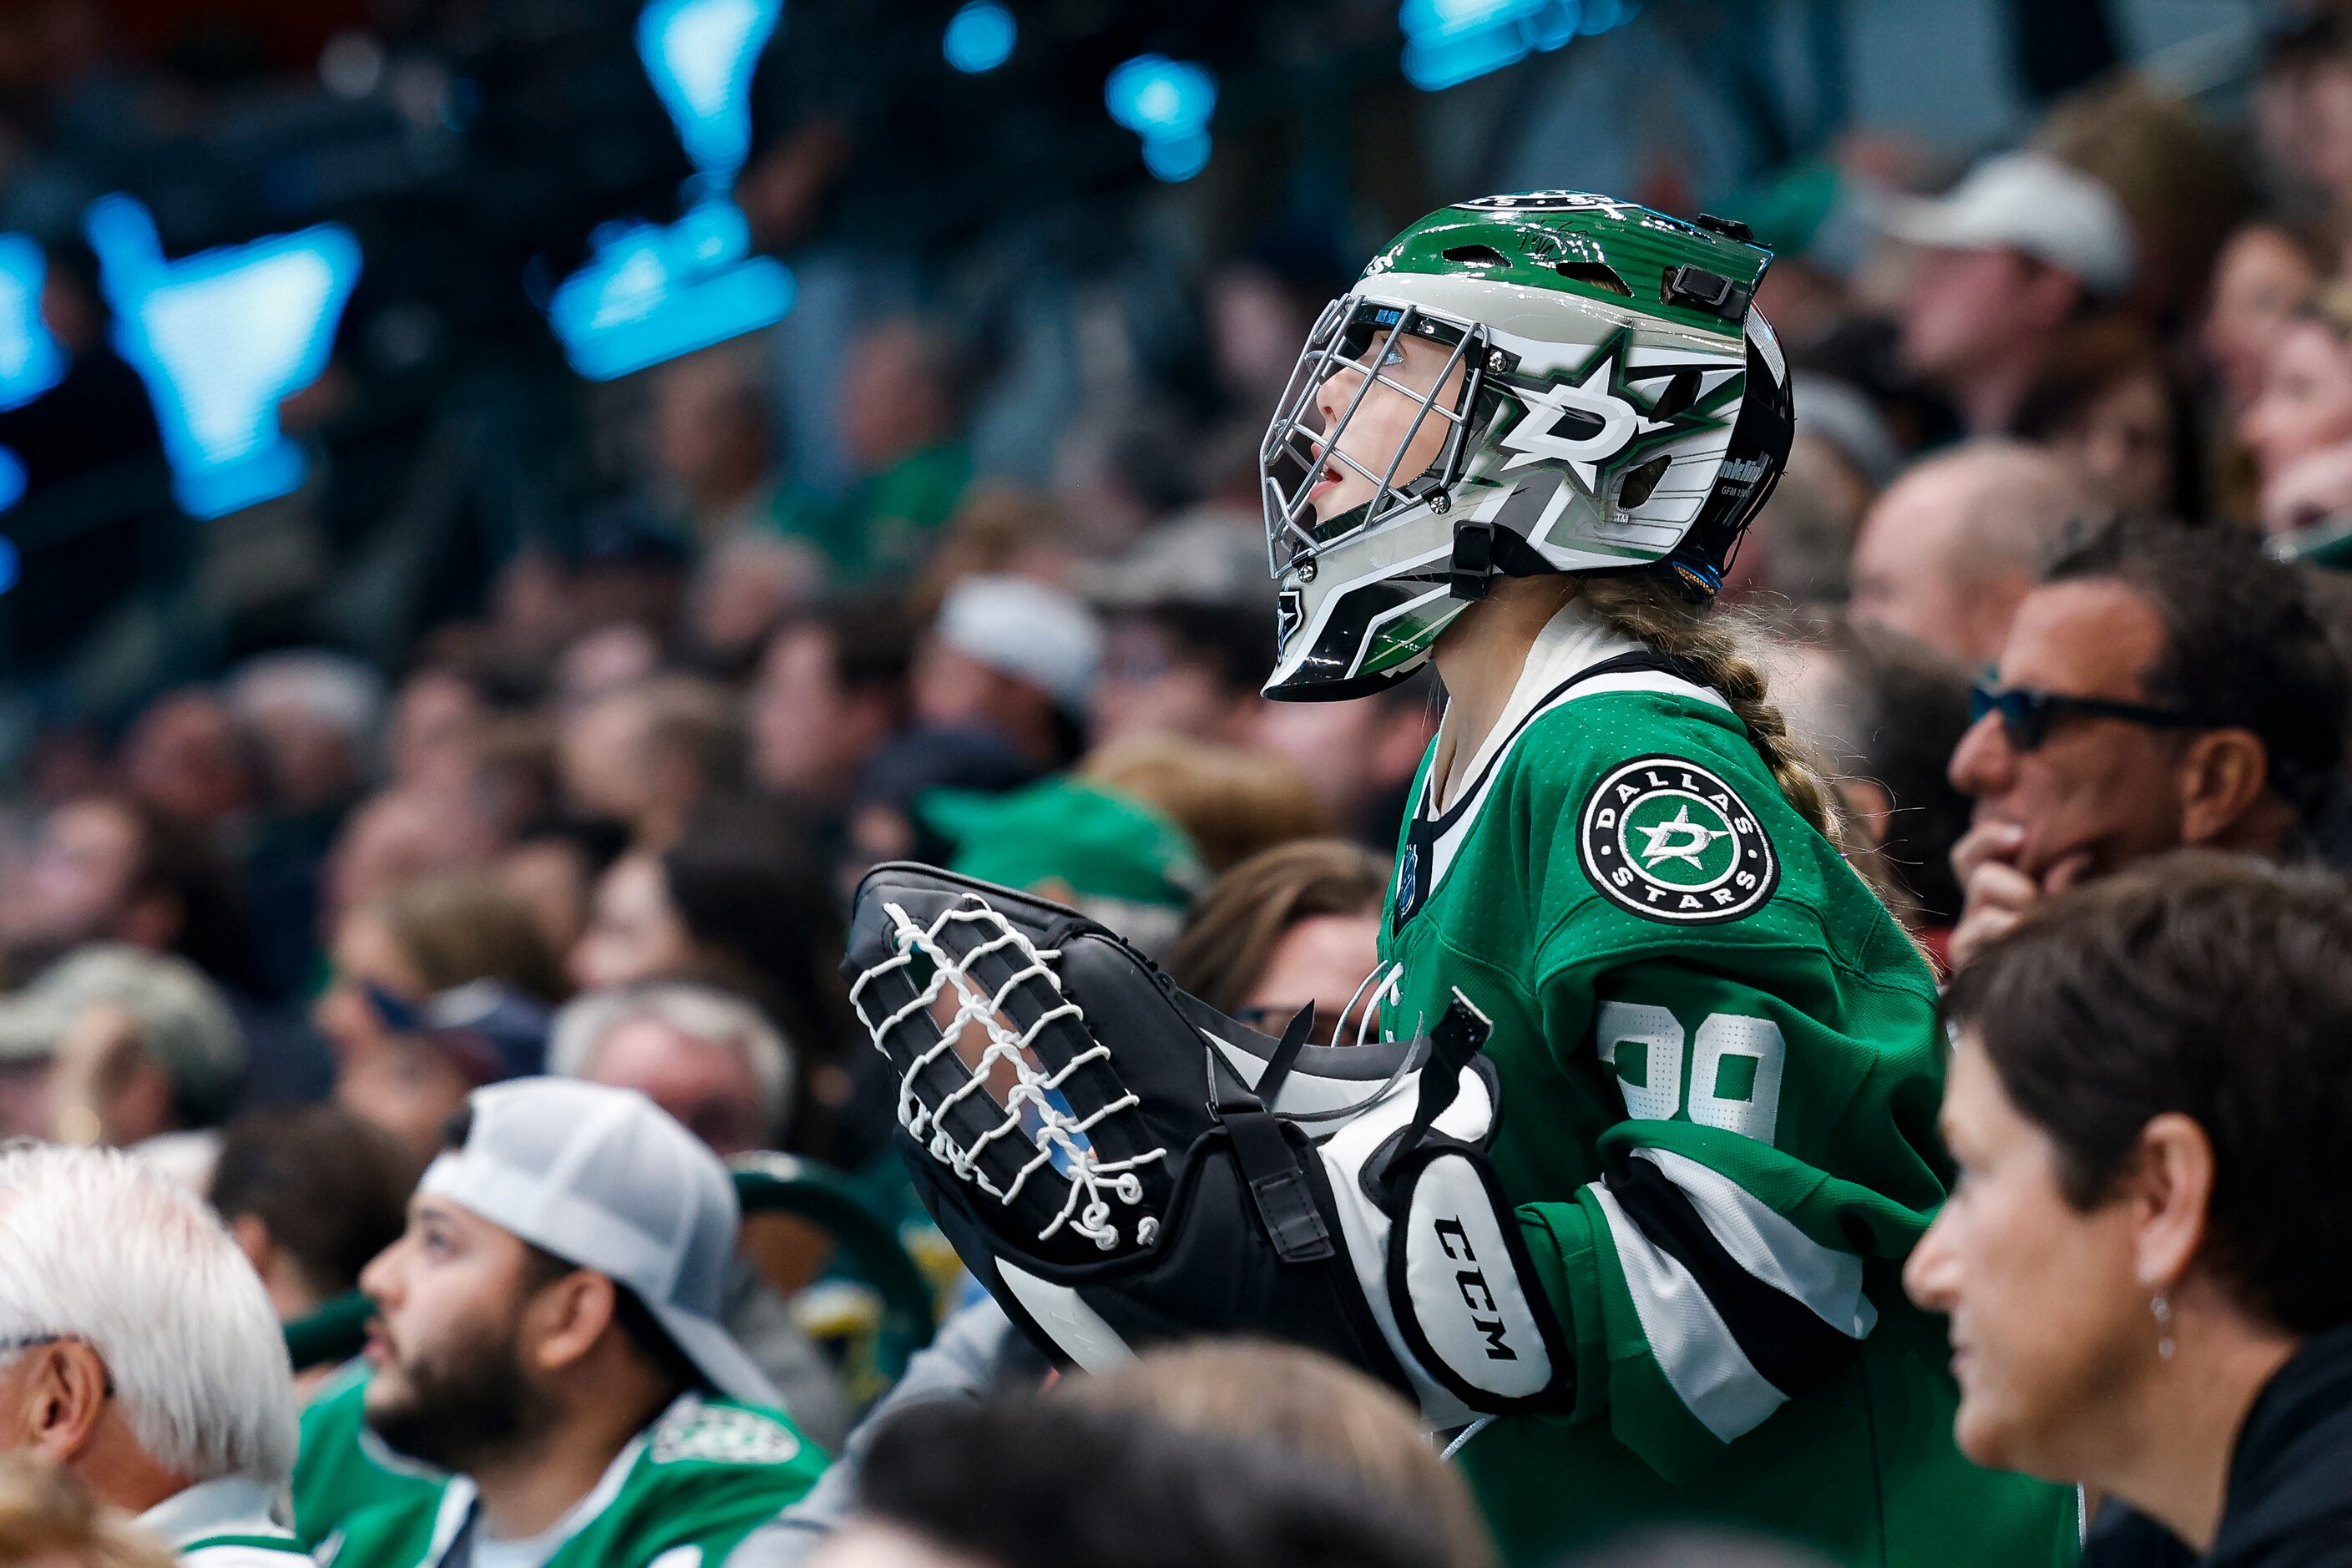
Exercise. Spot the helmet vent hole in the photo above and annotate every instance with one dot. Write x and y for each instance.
(1477, 255)
(1600, 274)
(1679, 395)
(1639, 482)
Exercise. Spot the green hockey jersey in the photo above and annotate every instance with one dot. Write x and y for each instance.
(1719, 1079)
(342, 1466)
(684, 1492)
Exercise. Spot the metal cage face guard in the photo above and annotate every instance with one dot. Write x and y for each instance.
(1358, 333)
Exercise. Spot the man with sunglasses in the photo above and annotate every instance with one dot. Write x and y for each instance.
(137, 1351)
(2162, 686)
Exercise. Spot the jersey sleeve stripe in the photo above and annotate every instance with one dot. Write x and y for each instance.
(1692, 1345)
(1783, 1339)
(1764, 1242)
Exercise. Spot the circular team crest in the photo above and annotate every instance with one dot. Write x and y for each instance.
(1670, 841)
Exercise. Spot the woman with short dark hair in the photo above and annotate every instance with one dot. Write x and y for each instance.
(2147, 1261)
(311, 1193)
(2109, 405)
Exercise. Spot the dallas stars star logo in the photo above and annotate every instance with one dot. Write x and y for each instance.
(1595, 416)
(1679, 839)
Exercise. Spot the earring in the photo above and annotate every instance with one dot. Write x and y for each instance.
(2161, 1306)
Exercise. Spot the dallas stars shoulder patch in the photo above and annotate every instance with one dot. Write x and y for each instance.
(724, 1434)
(1668, 840)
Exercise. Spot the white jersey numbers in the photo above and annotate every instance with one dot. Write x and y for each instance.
(1735, 1066)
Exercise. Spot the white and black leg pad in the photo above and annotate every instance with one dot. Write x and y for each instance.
(1461, 1285)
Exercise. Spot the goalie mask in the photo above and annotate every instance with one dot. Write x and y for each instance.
(1554, 382)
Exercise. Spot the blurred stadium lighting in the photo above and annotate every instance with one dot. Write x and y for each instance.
(352, 64)
(701, 54)
(980, 36)
(1176, 158)
(30, 361)
(654, 293)
(221, 338)
(651, 294)
(1169, 104)
(11, 490)
(1448, 42)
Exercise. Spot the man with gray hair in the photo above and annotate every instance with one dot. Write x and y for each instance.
(710, 1058)
(724, 1073)
(139, 1352)
(313, 716)
(140, 1049)
(1951, 547)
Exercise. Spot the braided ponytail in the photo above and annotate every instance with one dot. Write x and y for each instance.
(1652, 610)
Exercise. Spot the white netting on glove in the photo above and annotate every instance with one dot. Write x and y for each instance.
(1001, 1065)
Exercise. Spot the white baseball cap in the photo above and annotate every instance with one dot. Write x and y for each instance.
(188, 1025)
(2029, 202)
(1027, 629)
(603, 1178)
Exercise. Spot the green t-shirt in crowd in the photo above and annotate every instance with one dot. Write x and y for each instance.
(342, 1466)
(684, 1493)
(1719, 1077)
(886, 523)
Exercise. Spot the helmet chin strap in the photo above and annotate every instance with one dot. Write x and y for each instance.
(1483, 552)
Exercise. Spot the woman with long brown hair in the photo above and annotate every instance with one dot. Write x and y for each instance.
(1523, 448)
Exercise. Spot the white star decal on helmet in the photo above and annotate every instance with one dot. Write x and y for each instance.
(1537, 435)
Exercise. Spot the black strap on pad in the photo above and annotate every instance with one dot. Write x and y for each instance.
(1460, 1035)
(1286, 1203)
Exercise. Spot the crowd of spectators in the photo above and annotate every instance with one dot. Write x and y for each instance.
(322, 973)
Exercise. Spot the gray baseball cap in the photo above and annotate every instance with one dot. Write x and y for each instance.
(606, 1179)
(185, 1021)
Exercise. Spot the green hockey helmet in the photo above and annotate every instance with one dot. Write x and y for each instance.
(1551, 382)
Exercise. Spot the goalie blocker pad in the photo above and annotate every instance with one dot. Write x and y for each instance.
(1119, 1164)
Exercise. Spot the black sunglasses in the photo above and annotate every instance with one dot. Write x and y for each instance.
(2025, 713)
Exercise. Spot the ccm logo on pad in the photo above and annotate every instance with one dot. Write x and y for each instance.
(1476, 1294)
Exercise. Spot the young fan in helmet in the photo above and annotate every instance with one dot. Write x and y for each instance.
(1524, 446)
